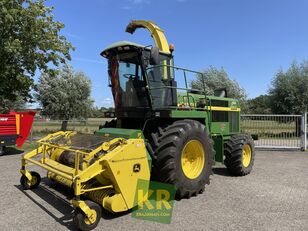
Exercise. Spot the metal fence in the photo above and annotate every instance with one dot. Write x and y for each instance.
(277, 131)
(268, 131)
(43, 127)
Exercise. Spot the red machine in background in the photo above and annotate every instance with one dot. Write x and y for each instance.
(15, 128)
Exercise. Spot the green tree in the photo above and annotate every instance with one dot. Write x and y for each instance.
(289, 90)
(29, 41)
(97, 112)
(218, 78)
(259, 105)
(13, 105)
(65, 96)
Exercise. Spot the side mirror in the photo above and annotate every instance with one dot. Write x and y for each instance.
(154, 56)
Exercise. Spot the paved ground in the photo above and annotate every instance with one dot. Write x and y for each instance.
(273, 197)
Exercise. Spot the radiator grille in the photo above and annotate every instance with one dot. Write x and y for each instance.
(234, 120)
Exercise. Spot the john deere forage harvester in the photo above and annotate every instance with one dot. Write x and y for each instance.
(162, 132)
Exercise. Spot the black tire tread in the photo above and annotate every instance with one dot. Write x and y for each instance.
(24, 181)
(233, 154)
(164, 144)
(79, 217)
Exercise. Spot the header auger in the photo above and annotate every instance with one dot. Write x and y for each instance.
(162, 132)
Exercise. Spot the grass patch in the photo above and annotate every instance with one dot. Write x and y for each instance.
(43, 128)
(29, 146)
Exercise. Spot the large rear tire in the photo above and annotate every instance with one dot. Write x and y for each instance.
(183, 154)
(239, 154)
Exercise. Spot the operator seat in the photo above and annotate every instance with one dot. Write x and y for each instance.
(131, 98)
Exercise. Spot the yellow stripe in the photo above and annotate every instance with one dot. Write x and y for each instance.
(165, 76)
(223, 108)
(17, 117)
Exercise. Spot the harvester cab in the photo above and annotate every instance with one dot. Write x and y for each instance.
(162, 131)
(141, 77)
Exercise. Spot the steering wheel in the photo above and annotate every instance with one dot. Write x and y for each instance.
(129, 76)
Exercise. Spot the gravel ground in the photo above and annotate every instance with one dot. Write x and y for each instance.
(273, 197)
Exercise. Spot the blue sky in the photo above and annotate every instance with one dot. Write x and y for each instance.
(250, 39)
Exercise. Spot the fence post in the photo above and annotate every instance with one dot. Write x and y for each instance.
(31, 134)
(304, 132)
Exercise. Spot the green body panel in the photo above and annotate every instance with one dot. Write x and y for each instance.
(186, 114)
(219, 148)
(120, 132)
(221, 130)
(201, 116)
(194, 98)
(232, 102)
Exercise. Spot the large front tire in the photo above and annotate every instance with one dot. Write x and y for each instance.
(239, 154)
(183, 157)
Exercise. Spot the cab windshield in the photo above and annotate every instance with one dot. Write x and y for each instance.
(128, 86)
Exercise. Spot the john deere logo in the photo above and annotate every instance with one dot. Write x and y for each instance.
(136, 168)
(222, 126)
(155, 201)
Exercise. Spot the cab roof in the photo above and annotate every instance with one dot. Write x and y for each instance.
(120, 45)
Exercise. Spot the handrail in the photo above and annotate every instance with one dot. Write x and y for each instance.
(188, 90)
(175, 67)
(180, 88)
(185, 79)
